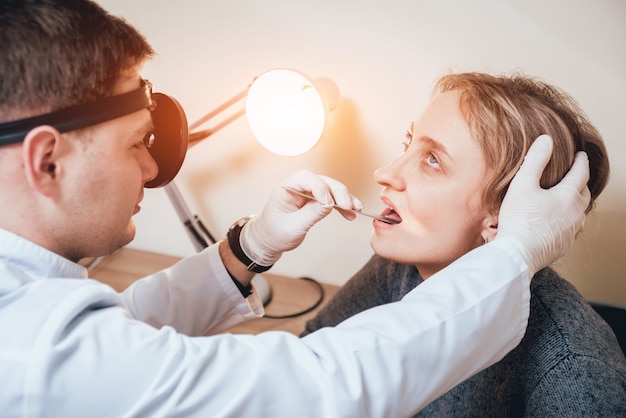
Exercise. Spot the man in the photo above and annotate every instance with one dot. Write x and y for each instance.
(77, 121)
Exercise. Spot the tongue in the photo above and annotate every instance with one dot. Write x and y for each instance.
(390, 213)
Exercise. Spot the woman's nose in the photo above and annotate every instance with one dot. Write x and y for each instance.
(390, 175)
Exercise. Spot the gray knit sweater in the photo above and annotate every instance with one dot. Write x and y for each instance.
(569, 363)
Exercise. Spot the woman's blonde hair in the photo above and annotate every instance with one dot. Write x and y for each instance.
(505, 114)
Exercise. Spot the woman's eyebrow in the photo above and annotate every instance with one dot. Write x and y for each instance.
(434, 144)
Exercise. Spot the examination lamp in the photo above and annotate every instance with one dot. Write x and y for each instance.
(286, 112)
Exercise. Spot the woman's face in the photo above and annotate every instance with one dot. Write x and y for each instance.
(435, 187)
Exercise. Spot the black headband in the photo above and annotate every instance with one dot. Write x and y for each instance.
(171, 134)
(80, 116)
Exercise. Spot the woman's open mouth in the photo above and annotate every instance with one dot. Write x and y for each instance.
(392, 215)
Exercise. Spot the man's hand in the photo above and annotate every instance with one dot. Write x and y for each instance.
(287, 217)
(542, 224)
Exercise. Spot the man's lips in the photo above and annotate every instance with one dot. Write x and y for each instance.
(138, 205)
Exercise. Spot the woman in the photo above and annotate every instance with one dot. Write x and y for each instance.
(447, 188)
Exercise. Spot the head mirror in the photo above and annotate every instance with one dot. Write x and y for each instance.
(171, 137)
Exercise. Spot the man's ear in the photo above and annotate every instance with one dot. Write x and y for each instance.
(39, 155)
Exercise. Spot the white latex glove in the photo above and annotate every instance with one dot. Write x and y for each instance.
(542, 223)
(287, 217)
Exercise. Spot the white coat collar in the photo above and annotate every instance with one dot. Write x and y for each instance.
(36, 261)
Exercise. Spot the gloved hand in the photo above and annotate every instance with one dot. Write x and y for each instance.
(542, 224)
(287, 217)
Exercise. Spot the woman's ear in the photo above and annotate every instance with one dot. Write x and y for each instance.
(490, 228)
(39, 156)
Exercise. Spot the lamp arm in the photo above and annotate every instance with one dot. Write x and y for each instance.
(201, 237)
(200, 135)
(219, 109)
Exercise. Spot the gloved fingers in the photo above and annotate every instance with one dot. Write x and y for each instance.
(288, 216)
(327, 191)
(314, 211)
(578, 175)
(534, 163)
(310, 183)
(341, 196)
(585, 197)
(582, 203)
(347, 214)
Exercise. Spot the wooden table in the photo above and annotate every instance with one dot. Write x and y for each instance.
(289, 295)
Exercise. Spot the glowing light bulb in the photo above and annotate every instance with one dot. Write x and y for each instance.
(286, 110)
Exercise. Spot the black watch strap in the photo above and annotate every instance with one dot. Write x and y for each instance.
(235, 246)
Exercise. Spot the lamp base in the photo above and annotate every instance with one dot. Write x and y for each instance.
(263, 289)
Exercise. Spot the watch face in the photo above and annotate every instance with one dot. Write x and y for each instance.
(241, 222)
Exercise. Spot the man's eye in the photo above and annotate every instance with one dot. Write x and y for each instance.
(148, 140)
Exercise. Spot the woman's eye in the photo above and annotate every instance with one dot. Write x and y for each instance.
(432, 160)
(148, 140)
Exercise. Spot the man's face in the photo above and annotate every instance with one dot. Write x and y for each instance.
(104, 182)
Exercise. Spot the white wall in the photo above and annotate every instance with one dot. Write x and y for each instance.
(384, 57)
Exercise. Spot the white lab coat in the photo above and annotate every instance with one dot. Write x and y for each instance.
(73, 347)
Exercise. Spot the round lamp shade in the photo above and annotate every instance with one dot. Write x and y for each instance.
(286, 111)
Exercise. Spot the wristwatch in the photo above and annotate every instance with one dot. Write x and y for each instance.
(235, 246)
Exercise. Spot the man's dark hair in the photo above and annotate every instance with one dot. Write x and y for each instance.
(58, 53)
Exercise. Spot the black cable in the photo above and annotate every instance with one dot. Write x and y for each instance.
(306, 310)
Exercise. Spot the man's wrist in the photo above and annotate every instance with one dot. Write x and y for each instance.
(240, 275)
(234, 242)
